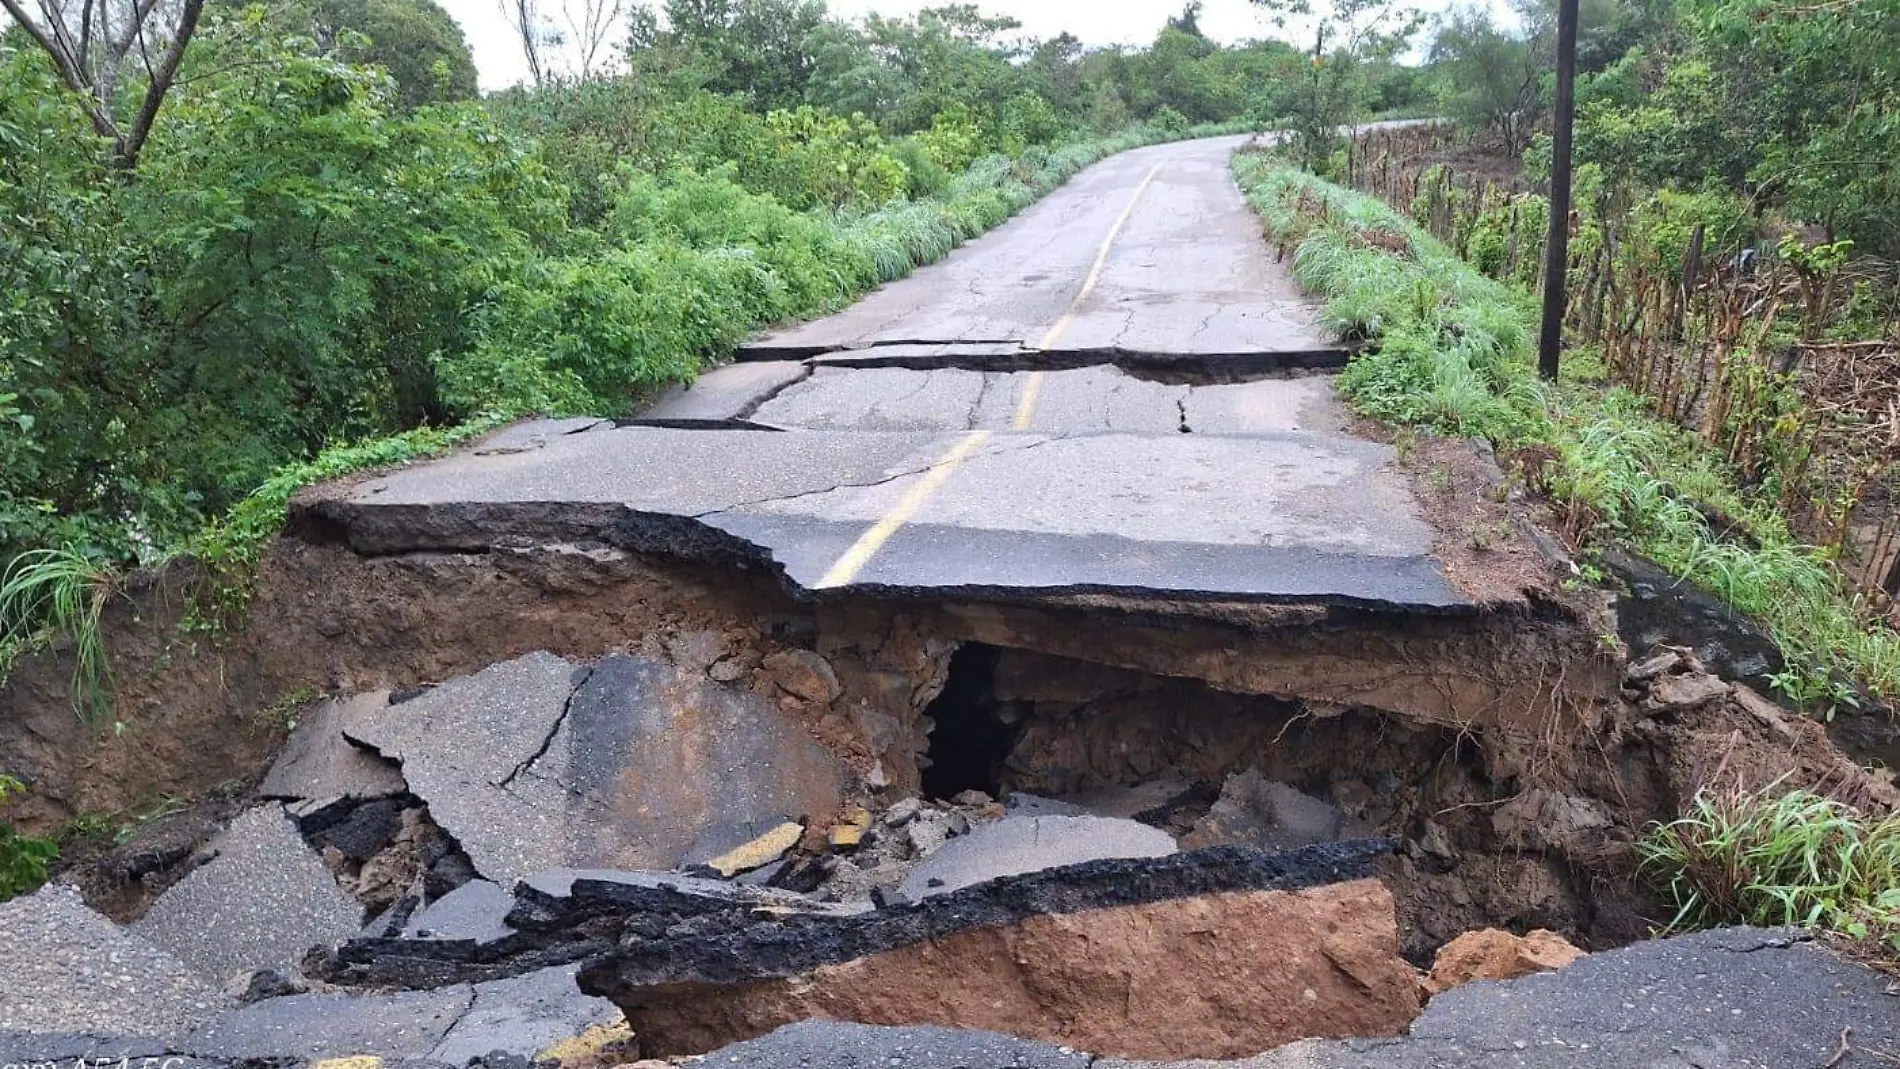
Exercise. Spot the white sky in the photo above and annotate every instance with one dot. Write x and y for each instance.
(1096, 22)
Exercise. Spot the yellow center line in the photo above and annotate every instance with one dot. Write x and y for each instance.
(867, 545)
(854, 559)
(1032, 386)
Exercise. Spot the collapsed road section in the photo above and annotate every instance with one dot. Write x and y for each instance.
(1035, 673)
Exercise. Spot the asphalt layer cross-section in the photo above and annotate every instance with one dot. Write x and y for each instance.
(925, 441)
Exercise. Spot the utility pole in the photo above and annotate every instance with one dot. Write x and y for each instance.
(1557, 244)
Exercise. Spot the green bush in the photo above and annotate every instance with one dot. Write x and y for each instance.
(23, 858)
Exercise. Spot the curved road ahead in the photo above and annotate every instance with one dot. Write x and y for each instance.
(1083, 400)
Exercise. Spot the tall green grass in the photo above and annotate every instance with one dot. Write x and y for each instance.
(1450, 350)
(1778, 857)
(48, 593)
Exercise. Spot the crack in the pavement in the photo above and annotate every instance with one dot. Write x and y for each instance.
(565, 788)
(460, 1015)
(752, 408)
(581, 677)
(995, 449)
(875, 412)
(976, 406)
(1180, 404)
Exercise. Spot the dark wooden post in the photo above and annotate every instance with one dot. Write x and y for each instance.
(1557, 247)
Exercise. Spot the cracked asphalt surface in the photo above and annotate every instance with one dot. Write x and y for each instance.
(989, 433)
(1188, 275)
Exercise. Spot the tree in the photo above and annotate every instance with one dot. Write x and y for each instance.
(754, 47)
(95, 47)
(1347, 36)
(414, 40)
(1495, 77)
(1188, 21)
(532, 31)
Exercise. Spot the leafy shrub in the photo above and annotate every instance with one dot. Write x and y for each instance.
(955, 138)
(23, 858)
(1169, 121)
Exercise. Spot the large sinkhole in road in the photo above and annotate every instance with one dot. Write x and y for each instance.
(1211, 766)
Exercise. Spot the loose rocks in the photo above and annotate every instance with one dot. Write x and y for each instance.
(1493, 954)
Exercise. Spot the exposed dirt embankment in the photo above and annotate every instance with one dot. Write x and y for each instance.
(1511, 757)
(199, 711)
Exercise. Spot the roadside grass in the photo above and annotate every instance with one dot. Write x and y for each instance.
(1778, 857)
(1451, 351)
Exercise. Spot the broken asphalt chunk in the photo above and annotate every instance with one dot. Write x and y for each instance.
(261, 902)
(1305, 945)
(535, 764)
(71, 973)
(319, 763)
(1019, 844)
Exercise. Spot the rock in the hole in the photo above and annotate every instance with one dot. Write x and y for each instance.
(903, 811)
(759, 851)
(70, 970)
(1540, 819)
(318, 762)
(1260, 812)
(1494, 954)
(1016, 845)
(802, 674)
(1211, 976)
(533, 764)
(523, 1015)
(850, 829)
(260, 903)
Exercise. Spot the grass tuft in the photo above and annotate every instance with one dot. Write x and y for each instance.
(1778, 857)
(46, 594)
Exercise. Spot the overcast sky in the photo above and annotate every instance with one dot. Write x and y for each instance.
(1096, 22)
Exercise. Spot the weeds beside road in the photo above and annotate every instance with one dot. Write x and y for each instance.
(1452, 354)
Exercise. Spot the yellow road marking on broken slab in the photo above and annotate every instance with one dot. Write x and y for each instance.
(854, 559)
(867, 545)
(1032, 386)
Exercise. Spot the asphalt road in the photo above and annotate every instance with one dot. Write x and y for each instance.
(1054, 408)
(1152, 251)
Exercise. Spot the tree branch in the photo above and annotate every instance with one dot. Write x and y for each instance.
(128, 147)
(72, 76)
